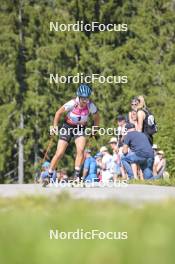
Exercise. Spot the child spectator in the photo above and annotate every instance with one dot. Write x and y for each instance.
(161, 166)
(62, 175)
(44, 177)
(116, 158)
(106, 165)
(156, 159)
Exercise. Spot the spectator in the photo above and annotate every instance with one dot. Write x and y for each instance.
(121, 120)
(161, 166)
(98, 158)
(44, 177)
(134, 103)
(155, 148)
(121, 133)
(90, 167)
(142, 115)
(141, 152)
(156, 159)
(133, 118)
(106, 165)
(116, 157)
(62, 175)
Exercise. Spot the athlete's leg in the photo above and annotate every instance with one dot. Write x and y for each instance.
(61, 147)
(80, 143)
(63, 142)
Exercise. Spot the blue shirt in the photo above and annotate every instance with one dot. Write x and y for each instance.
(91, 165)
(139, 143)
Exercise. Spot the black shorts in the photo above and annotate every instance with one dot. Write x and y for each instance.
(67, 132)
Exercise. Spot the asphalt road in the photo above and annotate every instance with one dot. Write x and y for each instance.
(132, 193)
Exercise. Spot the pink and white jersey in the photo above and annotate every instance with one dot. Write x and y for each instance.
(76, 114)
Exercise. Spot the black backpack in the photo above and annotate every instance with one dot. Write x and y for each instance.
(150, 125)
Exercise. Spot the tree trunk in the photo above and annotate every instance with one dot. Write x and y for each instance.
(21, 153)
(21, 78)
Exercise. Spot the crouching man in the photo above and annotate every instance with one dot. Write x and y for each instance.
(137, 150)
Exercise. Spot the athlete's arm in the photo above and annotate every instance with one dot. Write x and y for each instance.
(141, 117)
(96, 119)
(95, 127)
(58, 115)
(94, 111)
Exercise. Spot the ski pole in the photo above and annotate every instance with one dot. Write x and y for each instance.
(48, 148)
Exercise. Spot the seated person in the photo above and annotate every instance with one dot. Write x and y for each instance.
(141, 152)
(107, 161)
(156, 159)
(62, 175)
(44, 176)
(89, 168)
(98, 158)
(161, 165)
(116, 158)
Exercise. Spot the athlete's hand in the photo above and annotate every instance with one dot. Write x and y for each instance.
(53, 130)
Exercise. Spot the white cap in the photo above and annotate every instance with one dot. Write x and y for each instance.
(113, 140)
(155, 146)
(161, 152)
(103, 149)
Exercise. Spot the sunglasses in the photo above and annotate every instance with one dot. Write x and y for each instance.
(84, 98)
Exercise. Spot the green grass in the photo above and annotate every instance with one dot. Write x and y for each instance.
(25, 225)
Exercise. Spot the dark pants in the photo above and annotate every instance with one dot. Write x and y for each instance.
(145, 164)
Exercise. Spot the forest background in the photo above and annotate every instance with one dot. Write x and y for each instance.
(30, 52)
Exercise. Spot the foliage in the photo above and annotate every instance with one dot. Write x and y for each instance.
(145, 53)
